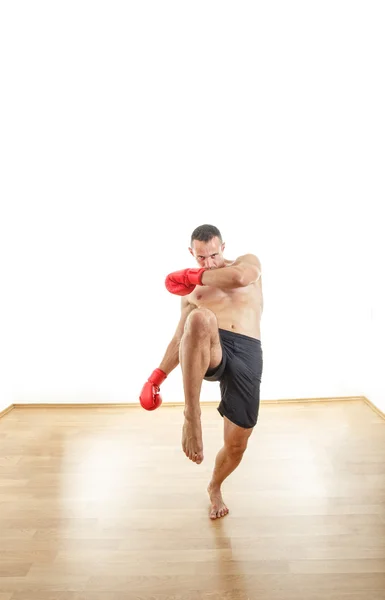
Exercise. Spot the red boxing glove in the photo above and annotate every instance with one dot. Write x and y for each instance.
(150, 398)
(184, 282)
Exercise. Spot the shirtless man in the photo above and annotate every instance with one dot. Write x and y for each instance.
(217, 339)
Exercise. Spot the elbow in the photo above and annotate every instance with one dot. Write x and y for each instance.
(240, 279)
(245, 277)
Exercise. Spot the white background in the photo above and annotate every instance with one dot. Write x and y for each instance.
(125, 125)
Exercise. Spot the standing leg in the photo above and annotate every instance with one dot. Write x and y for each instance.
(228, 458)
(200, 349)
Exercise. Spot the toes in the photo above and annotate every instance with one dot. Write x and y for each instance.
(216, 513)
(196, 457)
(188, 452)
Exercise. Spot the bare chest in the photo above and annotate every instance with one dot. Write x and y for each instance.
(212, 297)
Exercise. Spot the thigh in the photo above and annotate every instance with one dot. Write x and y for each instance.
(234, 435)
(203, 326)
(216, 351)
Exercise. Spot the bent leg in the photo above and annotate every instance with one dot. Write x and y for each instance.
(228, 458)
(200, 349)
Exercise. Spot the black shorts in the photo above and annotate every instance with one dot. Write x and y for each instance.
(239, 375)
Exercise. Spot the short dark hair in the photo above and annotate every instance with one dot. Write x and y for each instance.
(205, 233)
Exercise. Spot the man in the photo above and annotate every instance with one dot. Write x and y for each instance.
(217, 339)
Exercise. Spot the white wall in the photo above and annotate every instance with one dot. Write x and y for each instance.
(373, 353)
(126, 127)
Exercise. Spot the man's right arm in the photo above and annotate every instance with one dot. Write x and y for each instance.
(171, 358)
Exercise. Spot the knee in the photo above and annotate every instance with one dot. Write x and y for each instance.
(236, 448)
(200, 322)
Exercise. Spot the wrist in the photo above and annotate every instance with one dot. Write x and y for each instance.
(195, 276)
(157, 377)
(203, 275)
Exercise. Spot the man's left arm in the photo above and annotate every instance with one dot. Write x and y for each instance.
(243, 271)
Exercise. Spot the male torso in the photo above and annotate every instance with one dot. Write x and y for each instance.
(238, 310)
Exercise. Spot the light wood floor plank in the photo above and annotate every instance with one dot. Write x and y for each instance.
(101, 504)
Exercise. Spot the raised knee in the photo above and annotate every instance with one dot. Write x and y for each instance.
(200, 322)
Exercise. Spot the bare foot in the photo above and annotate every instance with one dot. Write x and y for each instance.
(192, 439)
(218, 507)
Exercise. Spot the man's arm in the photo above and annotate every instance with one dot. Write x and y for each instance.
(150, 397)
(243, 271)
(171, 358)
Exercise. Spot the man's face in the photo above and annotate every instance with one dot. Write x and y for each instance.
(208, 254)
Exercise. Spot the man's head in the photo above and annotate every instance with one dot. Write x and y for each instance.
(207, 247)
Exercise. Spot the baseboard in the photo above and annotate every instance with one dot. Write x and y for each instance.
(310, 400)
(283, 400)
(175, 404)
(373, 407)
(203, 403)
(6, 410)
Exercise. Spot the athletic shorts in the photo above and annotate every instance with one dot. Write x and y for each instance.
(239, 375)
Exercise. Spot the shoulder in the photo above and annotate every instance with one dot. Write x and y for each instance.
(248, 259)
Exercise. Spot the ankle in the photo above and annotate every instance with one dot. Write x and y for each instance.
(214, 486)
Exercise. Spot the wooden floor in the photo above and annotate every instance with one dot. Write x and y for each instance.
(101, 504)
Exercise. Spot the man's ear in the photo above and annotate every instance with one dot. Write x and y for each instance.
(223, 246)
(191, 252)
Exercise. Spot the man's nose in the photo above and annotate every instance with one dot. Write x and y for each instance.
(209, 263)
